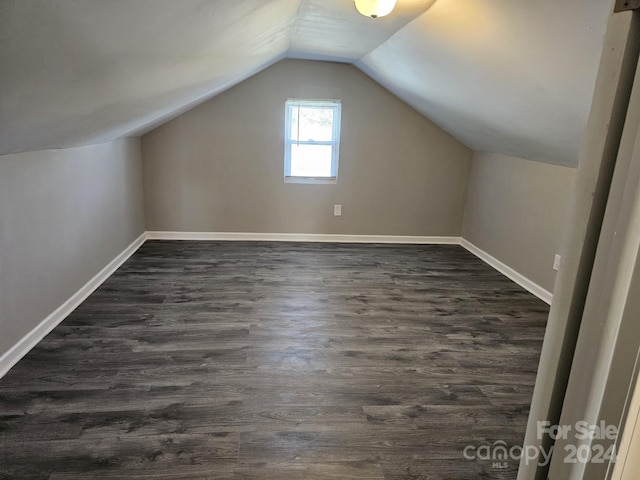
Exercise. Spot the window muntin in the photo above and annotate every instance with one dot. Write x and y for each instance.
(312, 140)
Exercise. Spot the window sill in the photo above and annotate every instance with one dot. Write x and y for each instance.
(317, 180)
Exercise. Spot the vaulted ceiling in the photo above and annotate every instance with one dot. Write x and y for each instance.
(504, 76)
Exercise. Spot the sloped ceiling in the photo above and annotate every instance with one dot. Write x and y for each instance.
(86, 71)
(504, 76)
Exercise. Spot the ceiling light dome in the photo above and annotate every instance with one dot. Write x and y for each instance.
(375, 8)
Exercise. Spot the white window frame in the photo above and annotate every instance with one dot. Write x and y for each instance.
(290, 105)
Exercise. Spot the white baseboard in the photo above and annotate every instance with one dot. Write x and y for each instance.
(543, 294)
(303, 237)
(517, 277)
(31, 339)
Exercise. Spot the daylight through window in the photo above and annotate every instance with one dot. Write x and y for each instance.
(312, 140)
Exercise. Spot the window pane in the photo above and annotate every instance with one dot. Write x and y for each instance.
(311, 124)
(311, 160)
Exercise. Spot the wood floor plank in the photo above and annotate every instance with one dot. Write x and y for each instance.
(259, 360)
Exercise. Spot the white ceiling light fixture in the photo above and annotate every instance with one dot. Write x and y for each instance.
(375, 8)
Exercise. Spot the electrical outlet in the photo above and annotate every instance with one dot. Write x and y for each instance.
(556, 263)
(337, 210)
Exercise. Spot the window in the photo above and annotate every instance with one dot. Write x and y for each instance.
(312, 141)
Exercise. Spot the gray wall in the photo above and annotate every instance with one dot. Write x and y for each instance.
(64, 215)
(516, 212)
(219, 167)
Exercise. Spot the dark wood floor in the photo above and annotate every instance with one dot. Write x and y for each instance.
(205, 360)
